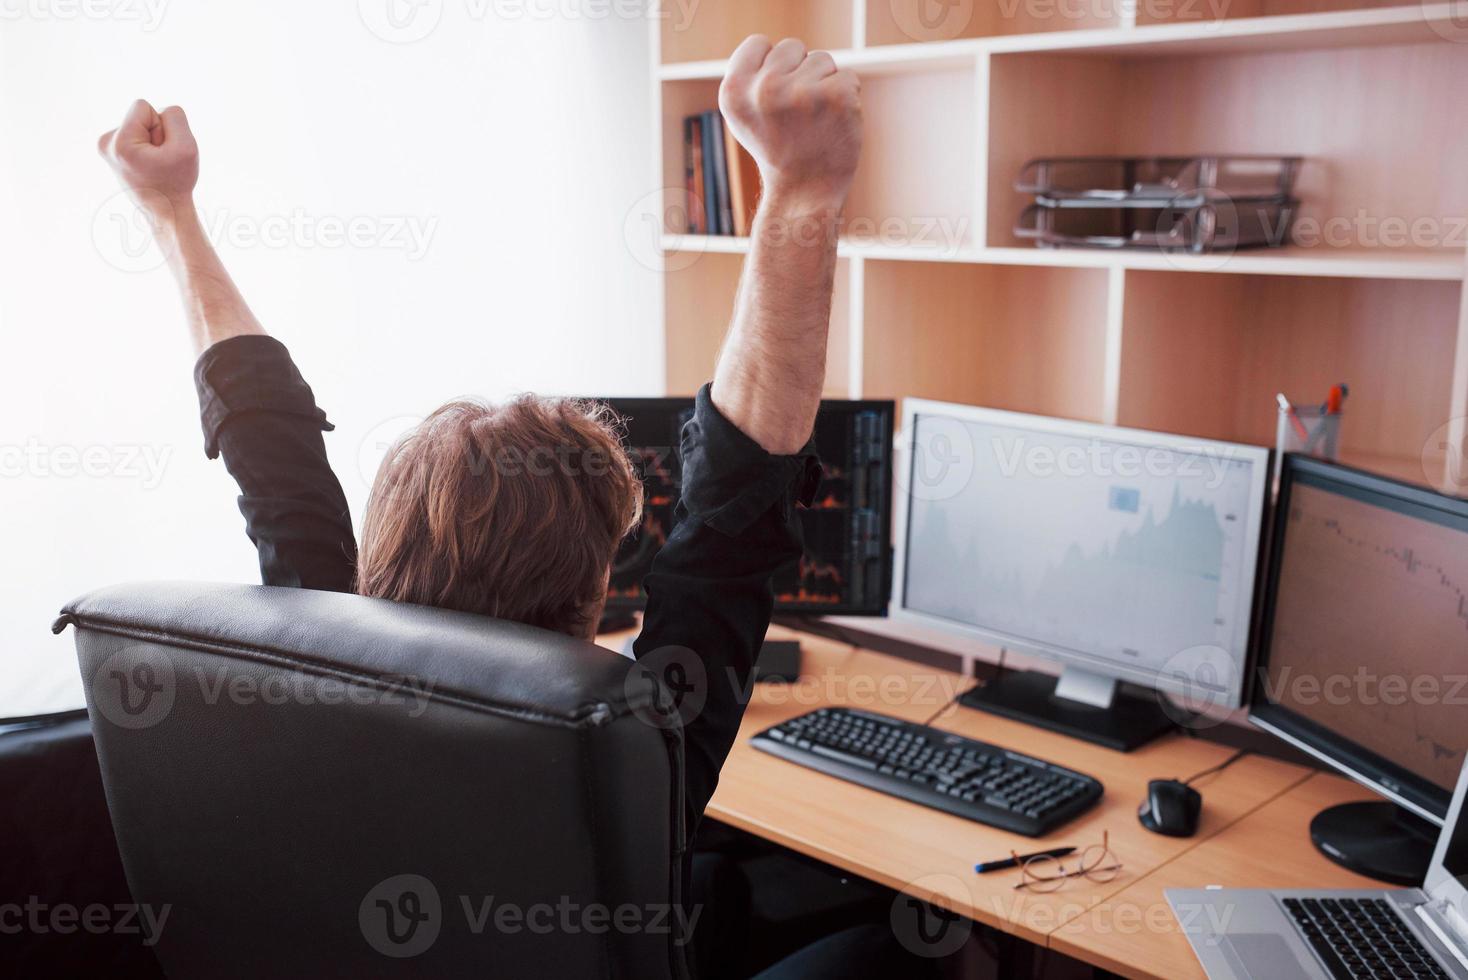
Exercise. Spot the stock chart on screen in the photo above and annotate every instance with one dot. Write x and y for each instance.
(846, 566)
(1097, 549)
(1370, 626)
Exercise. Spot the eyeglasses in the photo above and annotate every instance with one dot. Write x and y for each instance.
(1047, 874)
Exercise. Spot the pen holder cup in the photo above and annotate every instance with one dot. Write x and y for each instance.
(1310, 431)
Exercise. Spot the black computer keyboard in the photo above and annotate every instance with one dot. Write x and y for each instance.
(972, 779)
(1361, 938)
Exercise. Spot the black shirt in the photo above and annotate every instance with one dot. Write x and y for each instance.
(709, 592)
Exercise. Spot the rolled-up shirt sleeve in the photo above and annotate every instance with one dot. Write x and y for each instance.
(710, 591)
(259, 414)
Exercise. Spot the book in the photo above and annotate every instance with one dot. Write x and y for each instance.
(697, 213)
(714, 122)
(710, 181)
(694, 203)
(744, 186)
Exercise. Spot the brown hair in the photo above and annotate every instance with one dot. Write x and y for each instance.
(513, 511)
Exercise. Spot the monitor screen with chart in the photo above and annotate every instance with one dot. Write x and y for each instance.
(1364, 655)
(1128, 555)
(846, 567)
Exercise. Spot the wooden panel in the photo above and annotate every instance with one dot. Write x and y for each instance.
(1014, 337)
(1043, 106)
(906, 21)
(915, 181)
(1206, 355)
(1268, 849)
(699, 294)
(699, 303)
(1377, 158)
(697, 30)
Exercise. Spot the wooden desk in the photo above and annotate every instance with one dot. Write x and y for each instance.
(1133, 933)
(1123, 925)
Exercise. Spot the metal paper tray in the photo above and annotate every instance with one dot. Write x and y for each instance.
(1144, 181)
(1213, 227)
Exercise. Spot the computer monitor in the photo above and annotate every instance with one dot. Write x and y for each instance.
(847, 565)
(1123, 556)
(1363, 653)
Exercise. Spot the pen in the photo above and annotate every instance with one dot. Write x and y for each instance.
(1010, 862)
(1288, 409)
(1334, 400)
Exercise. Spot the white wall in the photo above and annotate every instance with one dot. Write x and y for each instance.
(517, 145)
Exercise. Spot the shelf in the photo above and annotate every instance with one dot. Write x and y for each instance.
(1414, 24)
(1417, 264)
(1379, 159)
(1206, 356)
(1010, 337)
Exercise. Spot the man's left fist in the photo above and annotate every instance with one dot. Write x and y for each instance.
(154, 155)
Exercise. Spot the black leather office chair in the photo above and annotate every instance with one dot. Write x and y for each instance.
(322, 785)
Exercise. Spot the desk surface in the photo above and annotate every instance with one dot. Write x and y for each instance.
(1254, 830)
(1134, 933)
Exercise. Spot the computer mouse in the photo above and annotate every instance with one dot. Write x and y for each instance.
(1172, 807)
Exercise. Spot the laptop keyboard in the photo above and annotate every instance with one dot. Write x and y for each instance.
(1362, 939)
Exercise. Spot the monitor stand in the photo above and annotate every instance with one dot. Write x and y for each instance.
(1377, 839)
(1079, 703)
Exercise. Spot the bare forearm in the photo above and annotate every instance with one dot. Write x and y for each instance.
(773, 366)
(213, 306)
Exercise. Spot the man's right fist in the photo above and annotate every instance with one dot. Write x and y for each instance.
(154, 155)
(799, 117)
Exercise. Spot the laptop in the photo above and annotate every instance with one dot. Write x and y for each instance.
(1285, 934)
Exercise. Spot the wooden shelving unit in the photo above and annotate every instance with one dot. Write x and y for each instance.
(937, 298)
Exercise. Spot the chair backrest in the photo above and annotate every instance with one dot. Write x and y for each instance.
(322, 785)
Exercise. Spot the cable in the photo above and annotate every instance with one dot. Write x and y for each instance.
(1218, 768)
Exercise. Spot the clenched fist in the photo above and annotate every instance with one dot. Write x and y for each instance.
(798, 116)
(155, 157)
